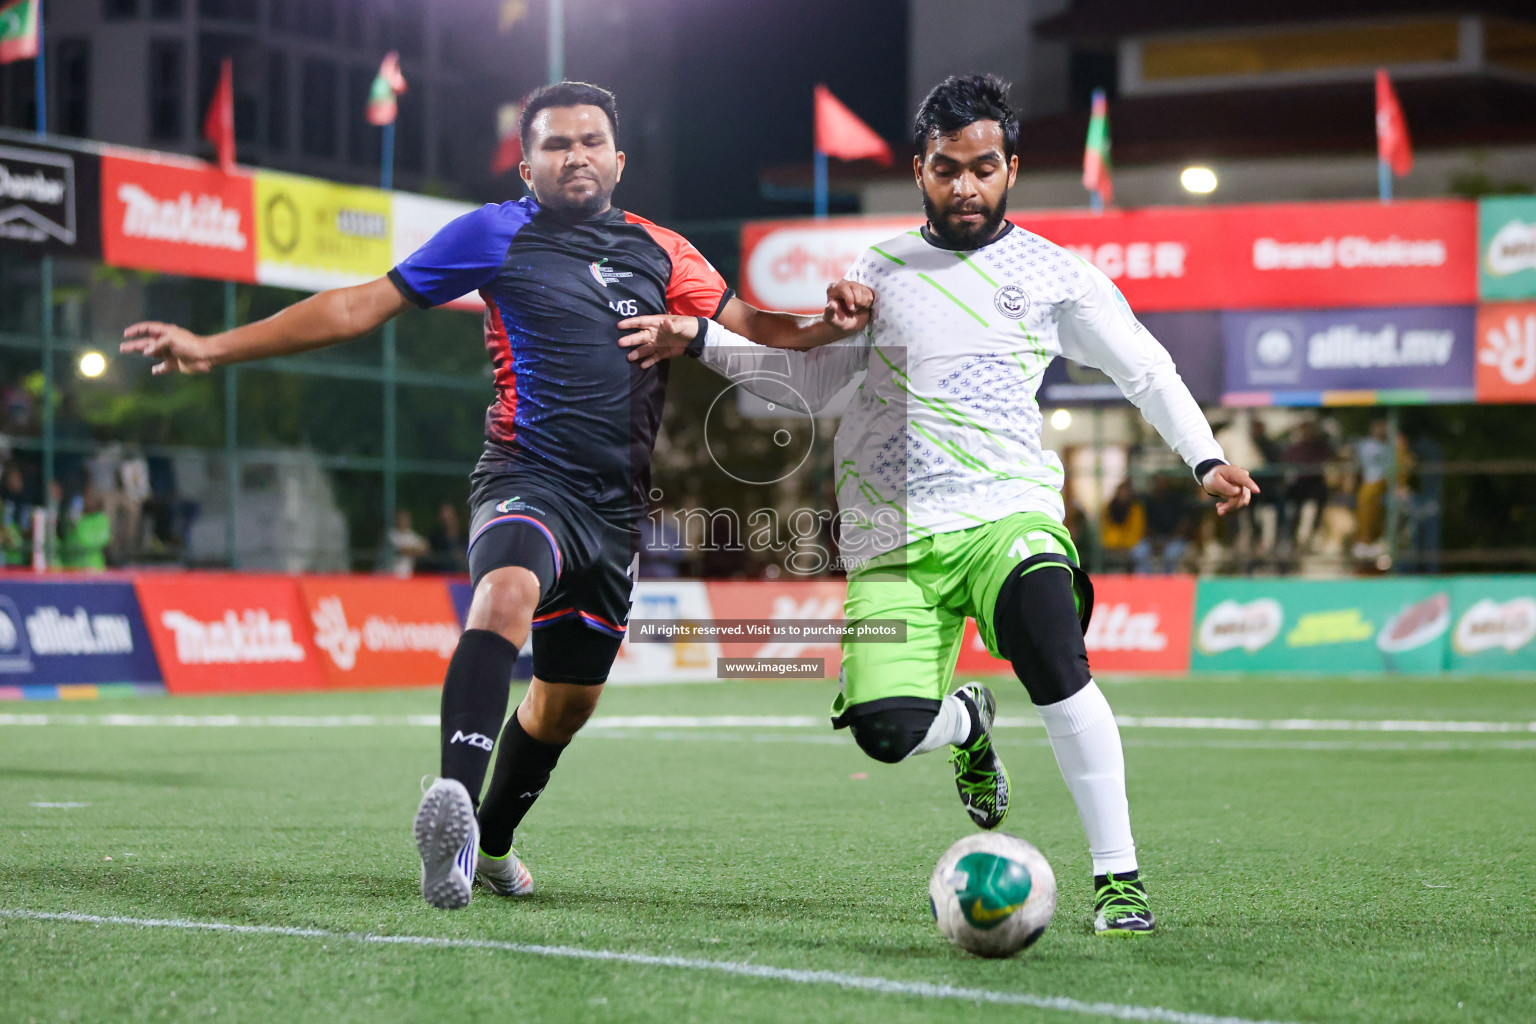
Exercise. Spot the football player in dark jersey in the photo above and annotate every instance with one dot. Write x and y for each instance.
(562, 483)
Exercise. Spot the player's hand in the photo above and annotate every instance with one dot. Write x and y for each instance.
(178, 349)
(848, 305)
(657, 336)
(1233, 485)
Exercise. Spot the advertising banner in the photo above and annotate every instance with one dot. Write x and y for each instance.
(807, 599)
(1495, 624)
(68, 633)
(1194, 340)
(315, 234)
(227, 633)
(1267, 256)
(379, 632)
(671, 601)
(50, 200)
(1324, 255)
(415, 220)
(1327, 626)
(1506, 229)
(177, 217)
(1139, 624)
(1350, 356)
(1506, 352)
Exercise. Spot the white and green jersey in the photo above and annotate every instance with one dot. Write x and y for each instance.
(944, 432)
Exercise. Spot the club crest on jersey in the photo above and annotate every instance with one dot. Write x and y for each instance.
(1011, 301)
(606, 275)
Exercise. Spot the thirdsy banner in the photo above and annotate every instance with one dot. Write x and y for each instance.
(379, 631)
(315, 234)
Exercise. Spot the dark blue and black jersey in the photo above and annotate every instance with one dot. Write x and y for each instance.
(570, 407)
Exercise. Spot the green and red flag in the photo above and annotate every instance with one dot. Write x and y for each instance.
(18, 29)
(389, 84)
(1096, 176)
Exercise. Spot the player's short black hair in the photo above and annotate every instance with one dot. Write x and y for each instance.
(567, 94)
(962, 100)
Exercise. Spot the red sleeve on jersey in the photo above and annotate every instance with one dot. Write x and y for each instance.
(695, 288)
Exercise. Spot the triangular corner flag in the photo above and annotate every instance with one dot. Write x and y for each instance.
(219, 124)
(840, 132)
(1392, 145)
(18, 29)
(388, 84)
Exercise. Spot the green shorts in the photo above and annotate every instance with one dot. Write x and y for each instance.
(935, 584)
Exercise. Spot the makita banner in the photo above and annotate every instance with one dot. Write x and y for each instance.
(1140, 624)
(49, 200)
(177, 216)
(374, 632)
(227, 633)
(73, 632)
(1277, 255)
(1413, 354)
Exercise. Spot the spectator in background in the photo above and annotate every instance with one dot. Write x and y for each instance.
(1306, 458)
(1269, 504)
(1122, 526)
(88, 532)
(16, 505)
(447, 542)
(133, 490)
(1169, 515)
(1426, 503)
(1375, 457)
(406, 544)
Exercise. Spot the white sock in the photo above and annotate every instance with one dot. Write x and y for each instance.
(951, 726)
(1086, 742)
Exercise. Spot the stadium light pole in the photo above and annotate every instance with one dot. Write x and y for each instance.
(556, 41)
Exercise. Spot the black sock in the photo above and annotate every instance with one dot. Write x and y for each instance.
(523, 765)
(474, 705)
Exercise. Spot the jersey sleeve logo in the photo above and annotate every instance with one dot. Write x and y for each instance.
(1011, 301)
(606, 275)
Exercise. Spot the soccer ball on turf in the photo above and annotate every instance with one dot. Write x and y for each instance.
(992, 894)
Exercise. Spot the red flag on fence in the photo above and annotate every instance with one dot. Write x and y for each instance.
(840, 133)
(1392, 145)
(219, 125)
(509, 150)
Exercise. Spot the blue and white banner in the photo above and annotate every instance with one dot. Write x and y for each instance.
(72, 633)
(1296, 357)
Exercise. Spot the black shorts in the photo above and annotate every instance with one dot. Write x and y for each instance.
(585, 563)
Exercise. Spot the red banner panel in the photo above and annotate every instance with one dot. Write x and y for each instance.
(177, 217)
(1506, 352)
(225, 633)
(1140, 624)
(1269, 256)
(805, 600)
(379, 632)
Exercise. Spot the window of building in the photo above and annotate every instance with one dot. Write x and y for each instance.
(117, 10)
(165, 10)
(72, 58)
(411, 131)
(317, 135)
(230, 10)
(167, 69)
(277, 103)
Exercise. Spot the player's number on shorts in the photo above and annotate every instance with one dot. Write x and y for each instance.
(625, 307)
(1037, 543)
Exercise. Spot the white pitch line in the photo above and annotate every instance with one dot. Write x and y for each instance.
(883, 986)
(763, 722)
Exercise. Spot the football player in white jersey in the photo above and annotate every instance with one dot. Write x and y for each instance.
(948, 506)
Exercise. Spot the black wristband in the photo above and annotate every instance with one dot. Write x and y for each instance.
(1205, 467)
(696, 346)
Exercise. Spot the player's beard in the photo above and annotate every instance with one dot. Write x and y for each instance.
(580, 209)
(973, 238)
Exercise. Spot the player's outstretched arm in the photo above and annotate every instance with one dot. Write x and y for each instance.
(326, 318)
(667, 335)
(1232, 485)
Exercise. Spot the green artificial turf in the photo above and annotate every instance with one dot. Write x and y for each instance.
(1297, 876)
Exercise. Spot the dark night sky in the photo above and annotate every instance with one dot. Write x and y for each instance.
(744, 85)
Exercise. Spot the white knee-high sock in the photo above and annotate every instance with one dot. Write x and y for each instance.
(951, 726)
(1086, 742)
